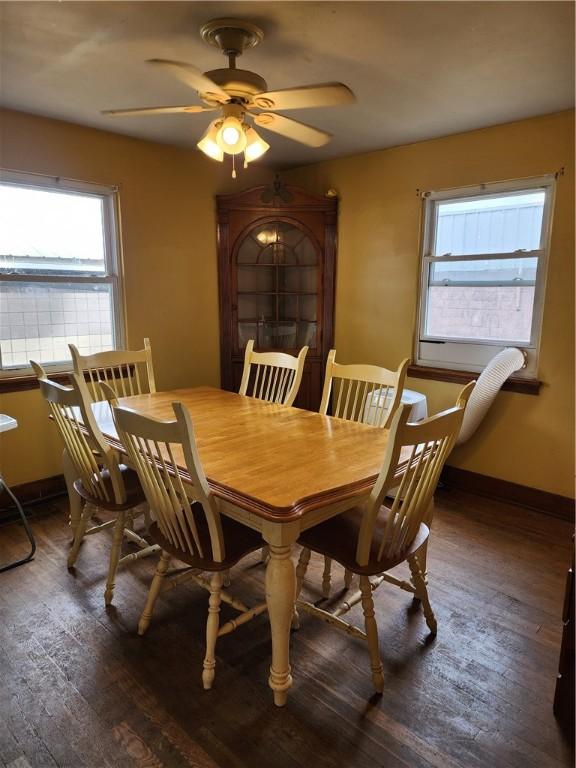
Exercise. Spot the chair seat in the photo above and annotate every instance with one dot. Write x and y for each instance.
(134, 492)
(239, 540)
(337, 538)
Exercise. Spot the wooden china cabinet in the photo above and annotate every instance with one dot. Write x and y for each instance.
(276, 265)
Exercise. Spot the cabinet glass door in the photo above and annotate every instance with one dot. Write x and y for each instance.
(277, 276)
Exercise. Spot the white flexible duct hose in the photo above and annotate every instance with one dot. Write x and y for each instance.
(487, 387)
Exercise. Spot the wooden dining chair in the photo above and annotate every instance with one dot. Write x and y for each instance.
(127, 372)
(372, 539)
(187, 522)
(362, 393)
(272, 376)
(103, 482)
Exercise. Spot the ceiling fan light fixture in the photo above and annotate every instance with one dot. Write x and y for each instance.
(231, 137)
(209, 143)
(255, 147)
(237, 93)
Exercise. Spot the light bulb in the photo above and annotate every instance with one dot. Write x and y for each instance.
(256, 145)
(208, 143)
(231, 137)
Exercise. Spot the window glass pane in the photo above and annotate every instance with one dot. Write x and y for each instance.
(49, 231)
(485, 271)
(306, 335)
(256, 278)
(246, 331)
(281, 335)
(298, 279)
(490, 224)
(39, 320)
(490, 313)
(256, 307)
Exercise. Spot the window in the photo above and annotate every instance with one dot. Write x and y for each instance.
(483, 273)
(59, 280)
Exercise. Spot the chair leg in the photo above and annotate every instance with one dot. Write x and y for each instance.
(73, 498)
(372, 634)
(422, 555)
(348, 575)
(212, 627)
(326, 577)
(301, 569)
(147, 518)
(115, 553)
(153, 592)
(79, 531)
(422, 593)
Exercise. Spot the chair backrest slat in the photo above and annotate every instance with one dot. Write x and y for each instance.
(82, 438)
(421, 449)
(362, 393)
(126, 372)
(162, 453)
(272, 376)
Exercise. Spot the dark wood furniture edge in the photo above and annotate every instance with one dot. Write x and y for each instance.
(22, 383)
(31, 492)
(564, 692)
(472, 482)
(503, 490)
(513, 384)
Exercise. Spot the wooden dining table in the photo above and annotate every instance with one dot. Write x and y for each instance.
(276, 469)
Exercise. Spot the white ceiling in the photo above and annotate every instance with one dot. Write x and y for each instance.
(419, 69)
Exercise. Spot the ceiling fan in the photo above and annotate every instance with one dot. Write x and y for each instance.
(240, 95)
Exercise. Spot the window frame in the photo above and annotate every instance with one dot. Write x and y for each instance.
(465, 354)
(112, 274)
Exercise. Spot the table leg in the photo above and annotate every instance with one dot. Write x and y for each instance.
(73, 498)
(280, 597)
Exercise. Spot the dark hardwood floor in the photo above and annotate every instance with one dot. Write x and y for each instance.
(78, 687)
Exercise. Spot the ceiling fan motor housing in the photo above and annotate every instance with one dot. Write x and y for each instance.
(239, 83)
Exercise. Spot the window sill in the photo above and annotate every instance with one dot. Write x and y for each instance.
(513, 384)
(28, 381)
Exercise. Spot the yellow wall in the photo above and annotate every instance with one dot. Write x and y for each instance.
(167, 198)
(169, 251)
(524, 439)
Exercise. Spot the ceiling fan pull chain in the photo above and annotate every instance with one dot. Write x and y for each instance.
(245, 160)
(233, 168)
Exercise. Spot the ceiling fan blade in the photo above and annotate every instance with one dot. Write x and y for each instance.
(156, 110)
(292, 129)
(193, 77)
(324, 95)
